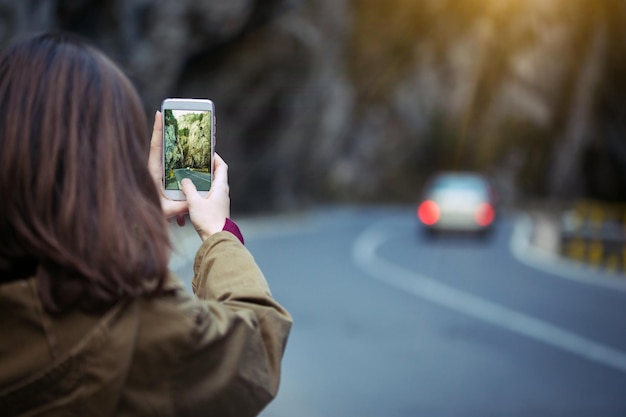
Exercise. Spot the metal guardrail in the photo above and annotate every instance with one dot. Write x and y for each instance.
(594, 233)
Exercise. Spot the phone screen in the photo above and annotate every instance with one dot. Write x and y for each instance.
(187, 148)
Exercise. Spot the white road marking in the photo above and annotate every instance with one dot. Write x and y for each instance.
(365, 257)
(535, 258)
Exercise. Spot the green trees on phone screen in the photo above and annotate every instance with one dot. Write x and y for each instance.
(188, 140)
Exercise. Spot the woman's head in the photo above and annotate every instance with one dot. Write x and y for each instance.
(78, 202)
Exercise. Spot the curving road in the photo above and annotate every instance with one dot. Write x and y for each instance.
(201, 180)
(388, 322)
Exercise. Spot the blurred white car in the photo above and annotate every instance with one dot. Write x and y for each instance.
(457, 201)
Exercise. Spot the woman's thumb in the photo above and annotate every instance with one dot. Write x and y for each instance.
(188, 188)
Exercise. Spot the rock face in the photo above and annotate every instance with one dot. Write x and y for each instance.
(187, 140)
(173, 147)
(196, 138)
(355, 100)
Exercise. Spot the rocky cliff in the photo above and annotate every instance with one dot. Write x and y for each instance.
(187, 140)
(358, 100)
(173, 147)
(196, 136)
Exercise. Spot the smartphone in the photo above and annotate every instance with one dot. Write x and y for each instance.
(188, 144)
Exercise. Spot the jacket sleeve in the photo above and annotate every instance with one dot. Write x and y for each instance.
(237, 336)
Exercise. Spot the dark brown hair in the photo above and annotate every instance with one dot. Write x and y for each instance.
(78, 206)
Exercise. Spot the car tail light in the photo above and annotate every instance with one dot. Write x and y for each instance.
(428, 212)
(485, 214)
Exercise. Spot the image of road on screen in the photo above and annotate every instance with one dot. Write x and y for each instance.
(187, 148)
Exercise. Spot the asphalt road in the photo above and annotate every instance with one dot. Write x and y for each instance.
(390, 323)
(201, 180)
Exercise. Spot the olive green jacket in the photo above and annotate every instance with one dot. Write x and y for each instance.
(174, 355)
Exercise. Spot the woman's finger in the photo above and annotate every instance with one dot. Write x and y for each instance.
(155, 162)
(189, 189)
(220, 174)
(173, 208)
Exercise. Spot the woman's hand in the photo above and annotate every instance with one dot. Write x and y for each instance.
(208, 214)
(170, 207)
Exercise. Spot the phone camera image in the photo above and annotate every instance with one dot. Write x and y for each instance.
(187, 148)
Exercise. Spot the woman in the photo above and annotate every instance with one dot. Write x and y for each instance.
(91, 322)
